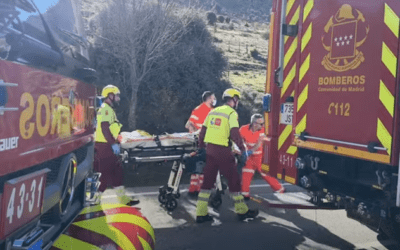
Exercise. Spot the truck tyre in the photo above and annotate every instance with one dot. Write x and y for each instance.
(69, 165)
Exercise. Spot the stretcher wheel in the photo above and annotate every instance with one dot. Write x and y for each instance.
(162, 190)
(171, 203)
(162, 198)
(215, 200)
(177, 195)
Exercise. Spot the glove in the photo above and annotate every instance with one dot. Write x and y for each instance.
(116, 149)
(249, 152)
(243, 159)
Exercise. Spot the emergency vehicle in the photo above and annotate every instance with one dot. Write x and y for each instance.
(332, 105)
(47, 117)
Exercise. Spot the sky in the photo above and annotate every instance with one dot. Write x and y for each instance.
(43, 5)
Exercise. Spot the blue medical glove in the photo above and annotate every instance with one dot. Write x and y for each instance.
(116, 149)
(243, 158)
(249, 152)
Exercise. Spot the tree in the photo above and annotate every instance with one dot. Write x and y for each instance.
(136, 35)
(162, 58)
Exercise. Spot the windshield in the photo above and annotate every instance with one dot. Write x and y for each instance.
(64, 21)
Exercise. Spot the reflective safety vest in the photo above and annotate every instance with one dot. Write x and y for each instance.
(219, 123)
(199, 115)
(250, 138)
(107, 114)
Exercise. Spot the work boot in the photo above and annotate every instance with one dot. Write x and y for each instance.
(281, 190)
(205, 218)
(133, 202)
(246, 198)
(250, 214)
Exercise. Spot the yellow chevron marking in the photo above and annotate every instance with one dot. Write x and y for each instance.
(294, 20)
(102, 207)
(290, 179)
(389, 59)
(279, 176)
(291, 150)
(66, 242)
(386, 98)
(292, 94)
(290, 52)
(145, 244)
(302, 98)
(304, 67)
(284, 135)
(289, 6)
(307, 9)
(302, 125)
(384, 136)
(306, 37)
(100, 225)
(343, 151)
(288, 80)
(392, 20)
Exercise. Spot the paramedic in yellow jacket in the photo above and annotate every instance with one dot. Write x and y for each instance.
(107, 148)
(219, 129)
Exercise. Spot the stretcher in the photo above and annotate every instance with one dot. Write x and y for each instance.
(140, 147)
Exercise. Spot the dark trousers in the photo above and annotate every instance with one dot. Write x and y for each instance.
(222, 159)
(108, 164)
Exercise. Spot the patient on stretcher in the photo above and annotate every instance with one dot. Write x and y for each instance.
(142, 139)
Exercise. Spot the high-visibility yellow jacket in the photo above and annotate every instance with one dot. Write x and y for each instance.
(219, 123)
(107, 114)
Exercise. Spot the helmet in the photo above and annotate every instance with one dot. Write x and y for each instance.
(110, 89)
(231, 93)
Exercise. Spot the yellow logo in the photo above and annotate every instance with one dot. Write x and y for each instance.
(343, 52)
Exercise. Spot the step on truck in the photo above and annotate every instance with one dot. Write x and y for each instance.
(332, 105)
(47, 116)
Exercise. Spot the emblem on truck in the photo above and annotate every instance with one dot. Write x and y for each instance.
(344, 29)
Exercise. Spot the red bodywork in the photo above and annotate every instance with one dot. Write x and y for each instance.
(55, 116)
(341, 70)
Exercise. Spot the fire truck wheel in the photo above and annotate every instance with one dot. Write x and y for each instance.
(69, 164)
(171, 203)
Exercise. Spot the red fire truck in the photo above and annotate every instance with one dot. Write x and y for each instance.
(332, 104)
(47, 113)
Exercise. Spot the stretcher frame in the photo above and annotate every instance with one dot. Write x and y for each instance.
(169, 193)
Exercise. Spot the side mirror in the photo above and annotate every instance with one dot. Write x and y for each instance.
(267, 99)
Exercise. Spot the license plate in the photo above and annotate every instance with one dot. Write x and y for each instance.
(22, 201)
(287, 113)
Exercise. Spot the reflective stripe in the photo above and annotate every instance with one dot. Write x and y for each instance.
(199, 125)
(257, 153)
(194, 117)
(251, 144)
(245, 193)
(246, 170)
(220, 114)
(202, 199)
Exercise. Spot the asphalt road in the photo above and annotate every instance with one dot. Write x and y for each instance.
(275, 228)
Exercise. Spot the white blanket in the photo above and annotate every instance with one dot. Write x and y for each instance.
(139, 139)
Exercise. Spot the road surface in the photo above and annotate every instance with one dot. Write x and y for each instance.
(273, 229)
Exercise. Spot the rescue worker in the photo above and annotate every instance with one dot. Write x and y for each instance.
(107, 148)
(253, 135)
(220, 127)
(194, 124)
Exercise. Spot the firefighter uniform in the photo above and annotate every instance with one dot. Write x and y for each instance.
(106, 162)
(197, 118)
(254, 161)
(216, 132)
